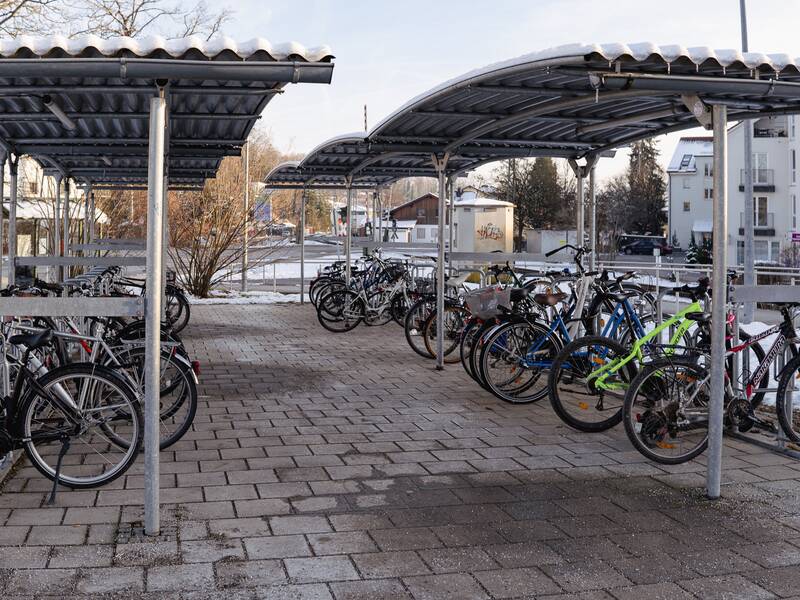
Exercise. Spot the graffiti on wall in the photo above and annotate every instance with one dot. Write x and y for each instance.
(490, 232)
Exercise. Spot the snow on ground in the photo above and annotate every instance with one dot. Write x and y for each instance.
(225, 297)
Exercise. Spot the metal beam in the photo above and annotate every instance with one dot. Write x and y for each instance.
(71, 307)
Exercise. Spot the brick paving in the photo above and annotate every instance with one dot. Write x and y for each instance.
(344, 467)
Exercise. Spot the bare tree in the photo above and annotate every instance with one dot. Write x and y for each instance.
(27, 16)
(132, 18)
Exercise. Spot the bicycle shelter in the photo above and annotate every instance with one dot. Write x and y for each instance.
(574, 102)
(149, 114)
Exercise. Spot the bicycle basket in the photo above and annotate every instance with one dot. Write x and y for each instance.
(485, 303)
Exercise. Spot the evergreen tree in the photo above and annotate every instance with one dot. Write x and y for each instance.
(647, 188)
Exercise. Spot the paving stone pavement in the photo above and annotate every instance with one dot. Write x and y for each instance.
(344, 467)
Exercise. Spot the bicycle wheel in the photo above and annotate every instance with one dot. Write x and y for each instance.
(103, 401)
(666, 410)
(514, 361)
(467, 339)
(787, 401)
(178, 311)
(477, 347)
(401, 302)
(378, 309)
(414, 322)
(341, 311)
(571, 383)
(454, 319)
(178, 394)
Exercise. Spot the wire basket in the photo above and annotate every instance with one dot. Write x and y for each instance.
(485, 303)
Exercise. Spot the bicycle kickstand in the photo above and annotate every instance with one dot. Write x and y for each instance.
(64, 448)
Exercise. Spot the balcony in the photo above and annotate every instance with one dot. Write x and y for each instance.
(763, 180)
(764, 225)
(769, 132)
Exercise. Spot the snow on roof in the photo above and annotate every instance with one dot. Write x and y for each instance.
(611, 52)
(42, 208)
(702, 226)
(399, 224)
(59, 46)
(482, 202)
(683, 159)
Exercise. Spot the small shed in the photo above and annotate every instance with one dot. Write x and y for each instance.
(483, 225)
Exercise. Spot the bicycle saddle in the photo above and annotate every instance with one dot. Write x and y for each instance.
(518, 294)
(32, 340)
(699, 317)
(620, 296)
(549, 299)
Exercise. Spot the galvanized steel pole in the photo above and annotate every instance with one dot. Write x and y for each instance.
(719, 294)
(303, 246)
(441, 165)
(87, 192)
(452, 199)
(2, 202)
(153, 311)
(13, 165)
(348, 230)
(579, 201)
(93, 217)
(592, 219)
(65, 224)
(246, 233)
(57, 251)
(749, 308)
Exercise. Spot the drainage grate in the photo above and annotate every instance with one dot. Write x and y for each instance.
(133, 533)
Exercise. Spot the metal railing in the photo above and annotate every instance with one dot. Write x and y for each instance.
(762, 221)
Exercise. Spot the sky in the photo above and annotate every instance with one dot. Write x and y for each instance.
(390, 51)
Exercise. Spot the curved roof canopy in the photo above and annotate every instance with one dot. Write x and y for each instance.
(573, 101)
(81, 106)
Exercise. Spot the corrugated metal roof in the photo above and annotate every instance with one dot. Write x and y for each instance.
(572, 101)
(217, 90)
(92, 46)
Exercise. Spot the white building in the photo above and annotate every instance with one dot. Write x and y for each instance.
(775, 188)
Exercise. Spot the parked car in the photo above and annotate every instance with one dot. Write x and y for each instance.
(646, 247)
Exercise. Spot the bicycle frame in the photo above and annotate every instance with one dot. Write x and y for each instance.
(601, 375)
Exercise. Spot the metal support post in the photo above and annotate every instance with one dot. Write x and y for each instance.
(348, 230)
(749, 308)
(57, 249)
(13, 165)
(380, 217)
(246, 232)
(303, 246)
(93, 218)
(592, 220)
(719, 294)
(87, 192)
(2, 202)
(65, 224)
(153, 310)
(451, 195)
(440, 164)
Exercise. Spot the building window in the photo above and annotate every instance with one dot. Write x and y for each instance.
(687, 206)
(687, 158)
(489, 210)
(761, 250)
(420, 212)
(708, 170)
(794, 211)
(740, 252)
(708, 193)
(420, 233)
(761, 211)
(776, 251)
(792, 127)
(33, 188)
(794, 165)
(467, 209)
(687, 183)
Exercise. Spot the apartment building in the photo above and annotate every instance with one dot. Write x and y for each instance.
(775, 188)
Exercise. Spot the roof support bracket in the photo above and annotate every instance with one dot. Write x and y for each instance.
(698, 108)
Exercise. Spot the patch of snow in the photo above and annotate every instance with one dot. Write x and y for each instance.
(223, 297)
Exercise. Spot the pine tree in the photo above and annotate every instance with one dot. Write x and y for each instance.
(647, 188)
